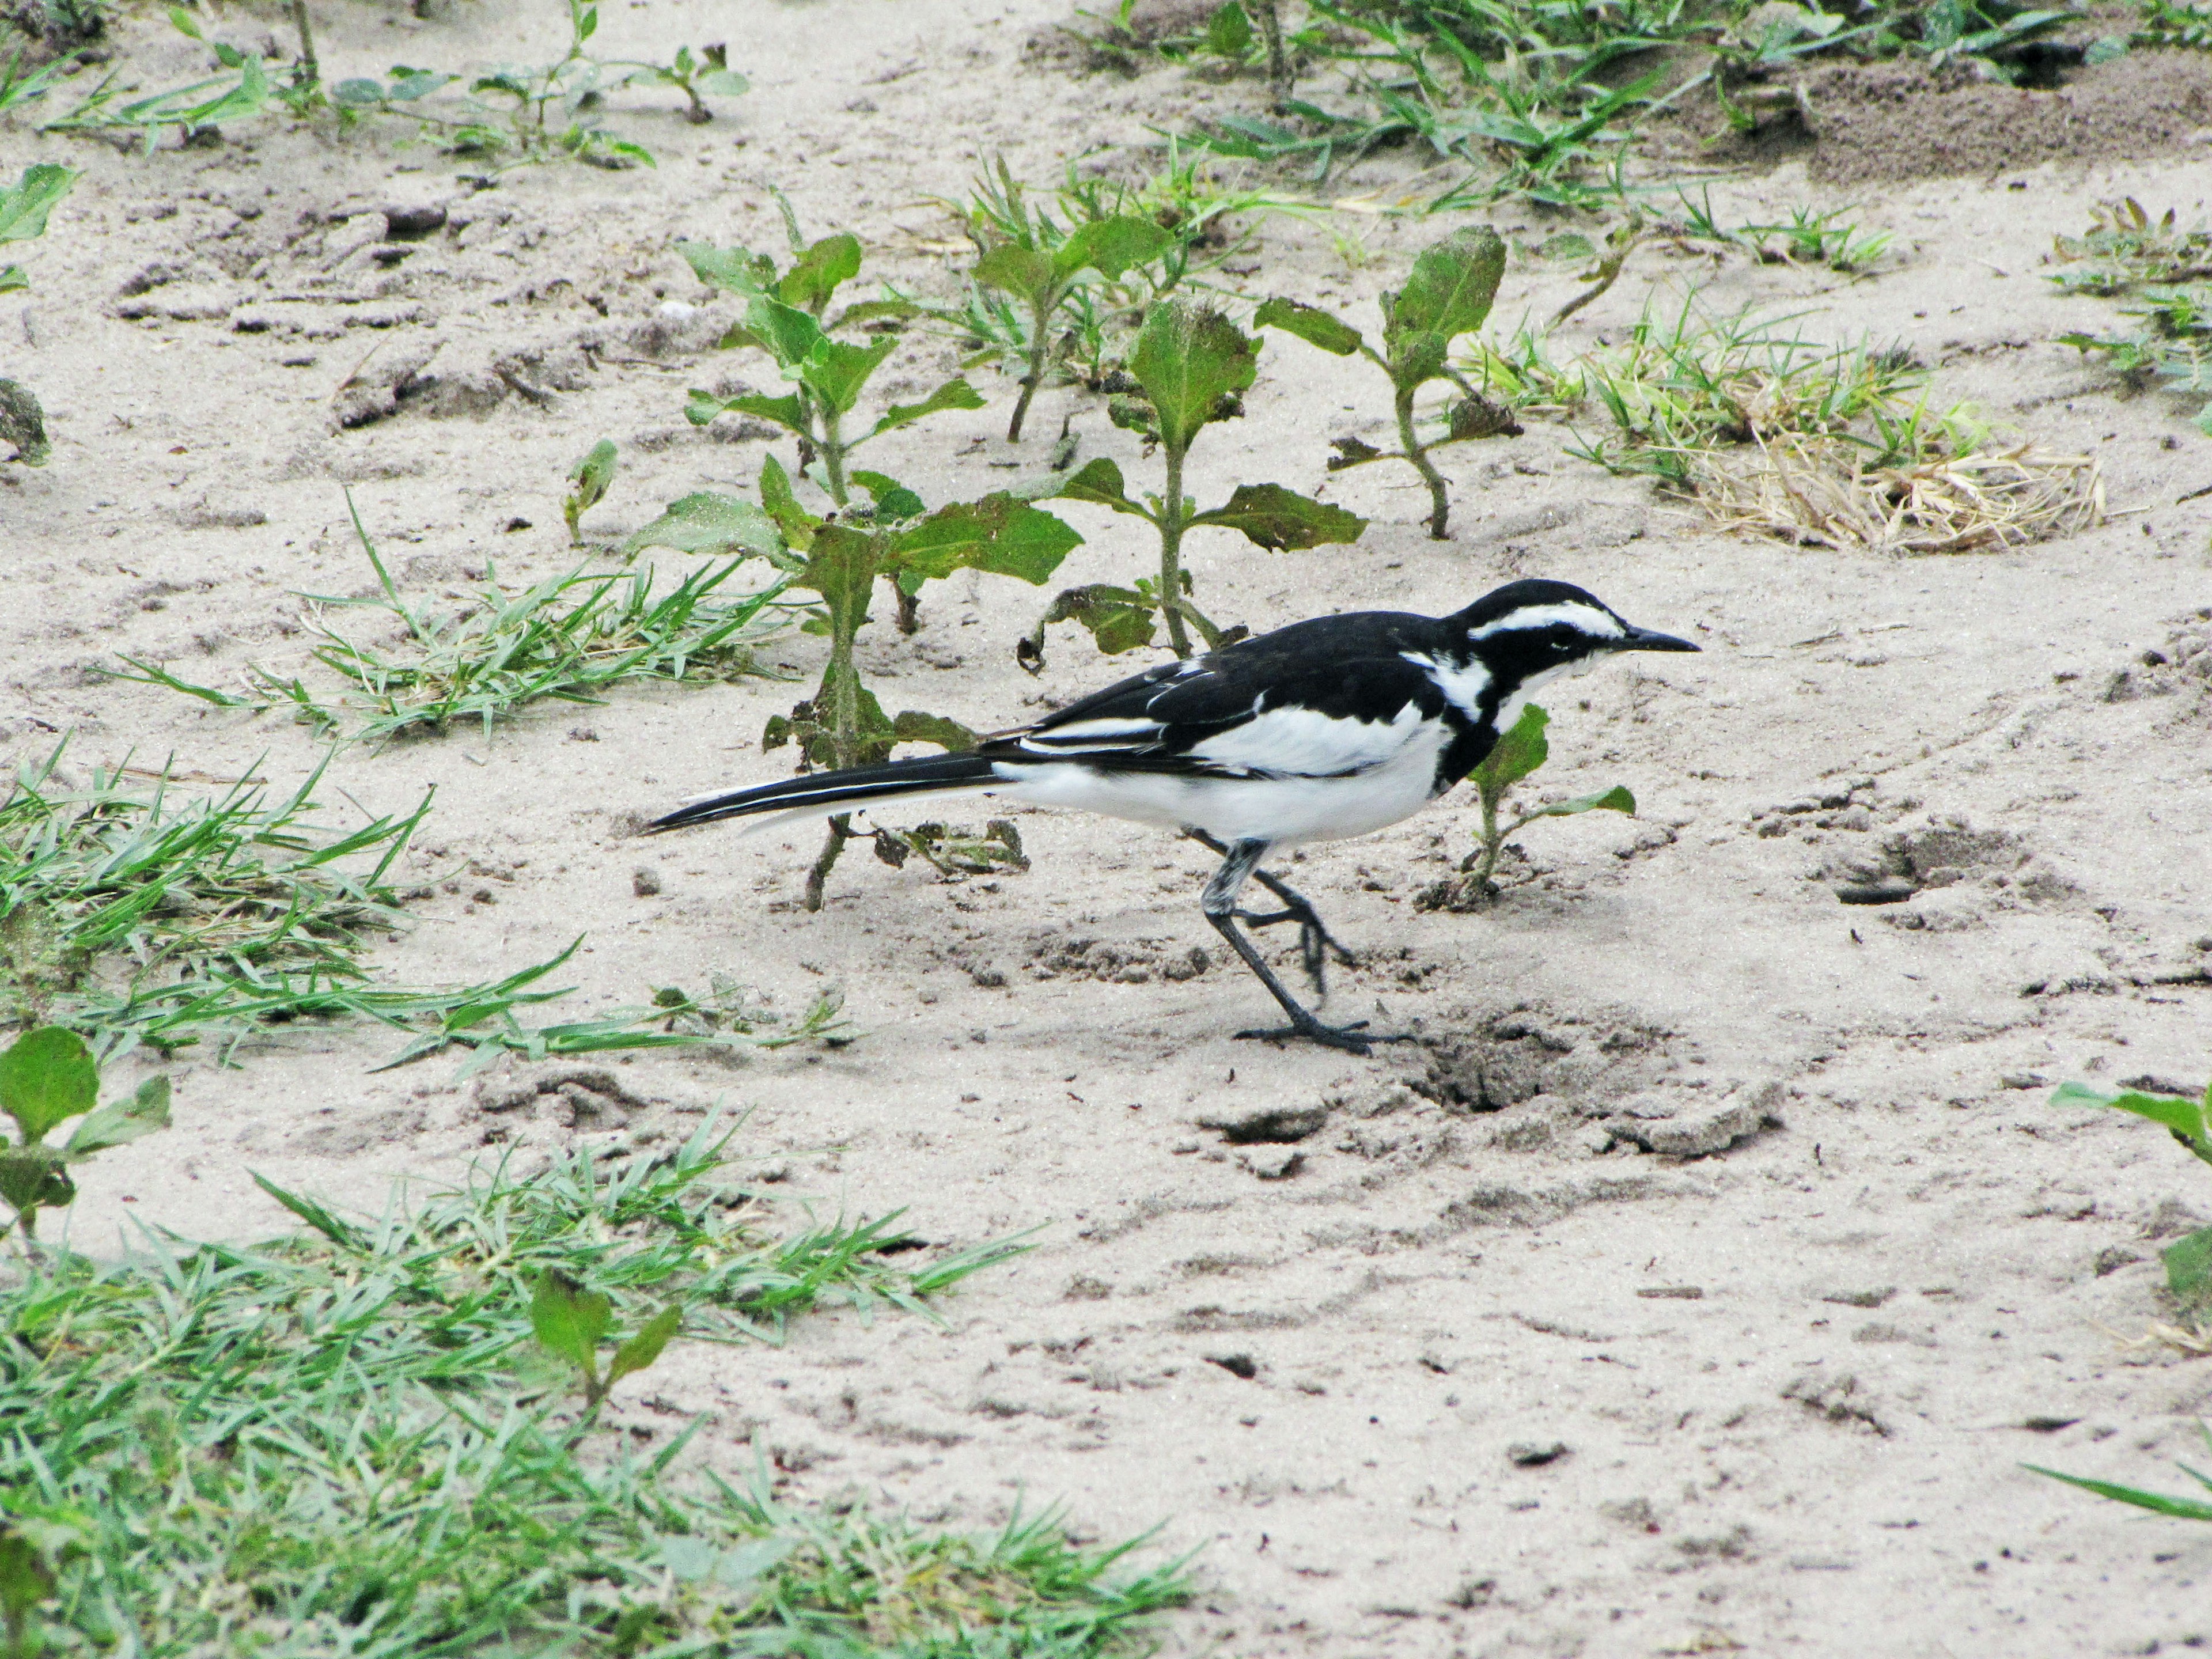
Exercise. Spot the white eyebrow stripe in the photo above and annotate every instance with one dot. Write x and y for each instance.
(1585, 618)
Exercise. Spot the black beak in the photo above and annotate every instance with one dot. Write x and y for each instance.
(1642, 638)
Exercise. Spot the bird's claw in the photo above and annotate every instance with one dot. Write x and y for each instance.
(1352, 1039)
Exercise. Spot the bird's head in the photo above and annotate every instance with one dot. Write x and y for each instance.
(1526, 633)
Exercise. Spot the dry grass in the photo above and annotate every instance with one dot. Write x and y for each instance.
(1819, 489)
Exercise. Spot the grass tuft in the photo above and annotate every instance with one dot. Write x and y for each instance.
(346, 1443)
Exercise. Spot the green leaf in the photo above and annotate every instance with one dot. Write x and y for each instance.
(1110, 246)
(32, 1178)
(786, 412)
(789, 335)
(2189, 1267)
(24, 205)
(569, 1320)
(1516, 753)
(121, 1121)
(728, 83)
(185, 23)
(591, 476)
(1448, 293)
(836, 372)
(816, 274)
(893, 499)
(796, 523)
(1119, 619)
(953, 394)
(12, 279)
(1616, 799)
(1229, 30)
(1280, 518)
(46, 1076)
(2191, 1119)
(703, 522)
(735, 269)
(2181, 1509)
(1017, 269)
(642, 1349)
(1188, 358)
(25, 1582)
(999, 534)
(343, 1234)
(1099, 482)
(1310, 324)
(840, 567)
(914, 727)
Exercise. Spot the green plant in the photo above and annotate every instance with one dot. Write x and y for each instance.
(353, 1431)
(1192, 365)
(2188, 1260)
(1518, 751)
(839, 557)
(591, 476)
(2181, 1509)
(1448, 294)
(2172, 23)
(2172, 349)
(2124, 249)
(24, 206)
(571, 638)
(47, 1077)
(570, 1320)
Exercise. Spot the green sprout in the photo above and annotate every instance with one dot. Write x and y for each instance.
(24, 206)
(570, 1322)
(1448, 294)
(47, 1076)
(2188, 1259)
(1194, 365)
(591, 476)
(1518, 752)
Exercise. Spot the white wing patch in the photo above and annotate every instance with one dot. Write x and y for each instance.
(1305, 742)
(1462, 686)
(1106, 733)
(1582, 618)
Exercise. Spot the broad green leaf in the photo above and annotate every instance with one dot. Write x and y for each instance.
(893, 499)
(121, 1121)
(815, 274)
(1448, 293)
(914, 727)
(12, 279)
(24, 204)
(704, 522)
(840, 567)
(1188, 358)
(790, 335)
(1014, 269)
(1229, 30)
(1119, 619)
(1616, 799)
(1280, 518)
(728, 83)
(867, 311)
(33, 1177)
(796, 523)
(594, 474)
(2181, 1509)
(2189, 1267)
(185, 23)
(1516, 753)
(46, 1076)
(2190, 1119)
(786, 412)
(1110, 246)
(569, 1319)
(953, 394)
(999, 534)
(1100, 481)
(836, 372)
(642, 1349)
(1310, 324)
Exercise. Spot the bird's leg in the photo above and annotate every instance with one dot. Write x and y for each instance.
(1220, 903)
(1314, 938)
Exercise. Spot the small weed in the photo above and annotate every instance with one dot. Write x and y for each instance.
(569, 1322)
(24, 206)
(1192, 366)
(47, 1077)
(374, 1443)
(2173, 24)
(1524, 376)
(2124, 249)
(1448, 294)
(1518, 752)
(593, 476)
(2128, 253)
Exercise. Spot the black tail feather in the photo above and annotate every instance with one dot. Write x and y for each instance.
(854, 786)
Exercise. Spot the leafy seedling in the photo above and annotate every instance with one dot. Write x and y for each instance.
(24, 206)
(839, 557)
(1029, 256)
(1194, 366)
(591, 476)
(1518, 752)
(570, 1322)
(2188, 1259)
(785, 318)
(1448, 294)
(47, 1076)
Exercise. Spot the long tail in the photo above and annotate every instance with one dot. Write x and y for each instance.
(819, 794)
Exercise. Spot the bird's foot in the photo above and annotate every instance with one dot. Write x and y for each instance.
(1352, 1039)
(1315, 942)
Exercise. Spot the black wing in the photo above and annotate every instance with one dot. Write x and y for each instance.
(1349, 668)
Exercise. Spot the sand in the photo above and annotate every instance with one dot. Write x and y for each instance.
(1702, 1279)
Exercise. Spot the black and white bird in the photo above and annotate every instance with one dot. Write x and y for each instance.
(1317, 731)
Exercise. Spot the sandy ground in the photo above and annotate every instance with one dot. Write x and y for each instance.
(1747, 1203)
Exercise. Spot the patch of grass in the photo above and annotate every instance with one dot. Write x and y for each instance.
(2124, 249)
(2126, 252)
(348, 1441)
(571, 638)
